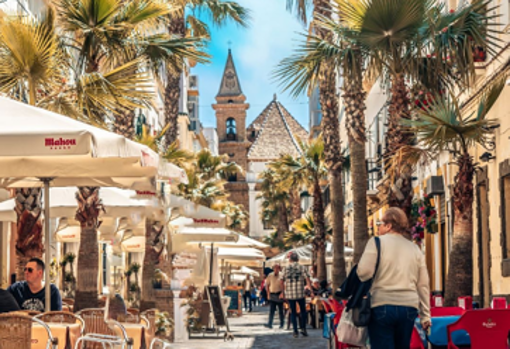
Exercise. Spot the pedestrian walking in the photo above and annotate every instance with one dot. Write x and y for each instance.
(294, 278)
(274, 288)
(247, 286)
(400, 288)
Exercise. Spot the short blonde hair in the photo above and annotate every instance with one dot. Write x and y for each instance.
(397, 218)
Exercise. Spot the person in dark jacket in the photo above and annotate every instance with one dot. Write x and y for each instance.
(30, 294)
(7, 302)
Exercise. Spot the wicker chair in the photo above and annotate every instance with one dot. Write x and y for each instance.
(133, 311)
(29, 313)
(99, 331)
(16, 332)
(62, 317)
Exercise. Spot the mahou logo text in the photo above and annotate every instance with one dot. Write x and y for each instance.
(59, 143)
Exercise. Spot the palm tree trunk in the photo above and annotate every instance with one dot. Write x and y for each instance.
(319, 242)
(89, 207)
(354, 101)
(283, 220)
(401, 189)
(147, 300)
(124, 123)
(459, 280)
(332, 149)
(338, 272)
(28, 228)
(173, 88)
(295, 200)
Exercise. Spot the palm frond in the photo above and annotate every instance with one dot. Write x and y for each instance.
(177, 156)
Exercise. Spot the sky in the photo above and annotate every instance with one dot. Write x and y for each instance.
(272, 34)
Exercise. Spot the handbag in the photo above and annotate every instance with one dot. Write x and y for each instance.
(361, 313)
(348, 333)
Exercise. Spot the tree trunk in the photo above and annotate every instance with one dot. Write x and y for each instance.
(337, 200)
(319, 242)
(295, 201)
(173, 88)
(459, 280)
(283, 220)
(29, 230)
(89, 207)
(331, 136)
(150, 259)
(354, 101)
(400, 193)
(124, 123)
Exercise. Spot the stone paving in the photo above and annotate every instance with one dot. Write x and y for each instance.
(250, 333)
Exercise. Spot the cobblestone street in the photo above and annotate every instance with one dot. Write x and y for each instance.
(250, 333)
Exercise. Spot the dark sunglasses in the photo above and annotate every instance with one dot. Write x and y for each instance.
(30, 270)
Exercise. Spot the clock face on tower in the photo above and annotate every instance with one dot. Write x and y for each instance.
(230, 81)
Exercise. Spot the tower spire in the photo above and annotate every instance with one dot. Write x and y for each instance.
(230, 86)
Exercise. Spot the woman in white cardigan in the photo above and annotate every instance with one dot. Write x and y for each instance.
(400, 289)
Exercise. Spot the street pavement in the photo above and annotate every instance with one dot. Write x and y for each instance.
(250, 333)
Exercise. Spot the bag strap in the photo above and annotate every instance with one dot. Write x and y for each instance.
(378, 246)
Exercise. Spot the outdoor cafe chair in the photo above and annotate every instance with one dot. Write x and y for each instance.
(446, 311)
(62, 317)
(16, 331)
(100, 332)
(487, 328)
(158, 343)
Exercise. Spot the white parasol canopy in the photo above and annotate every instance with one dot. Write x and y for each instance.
(305, 254)
(240, 254)
(117, 203)
(245, 270)
(38, 147)
(194, 215)
(188, 238)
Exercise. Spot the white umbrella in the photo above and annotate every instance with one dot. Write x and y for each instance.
(245, 270)
(244, 241)
(194, 215)
(117, 203)
(188, 237)
(305, 254)
(38, 147)
(240, 254)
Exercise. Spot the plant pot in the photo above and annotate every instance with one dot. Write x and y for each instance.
(157, 285)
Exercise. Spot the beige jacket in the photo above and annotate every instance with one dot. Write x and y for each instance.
(402, 278)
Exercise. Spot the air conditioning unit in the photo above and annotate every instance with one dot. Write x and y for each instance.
(435, 185)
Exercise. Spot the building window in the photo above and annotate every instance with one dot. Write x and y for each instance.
(232, 177)
(231, 129)
(267, 225)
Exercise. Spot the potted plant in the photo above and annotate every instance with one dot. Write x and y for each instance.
(164, 324)
(157, 282)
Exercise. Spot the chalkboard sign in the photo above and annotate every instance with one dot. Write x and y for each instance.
(235, 299)
(214, 295)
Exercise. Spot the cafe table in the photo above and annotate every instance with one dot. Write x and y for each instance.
(438, 335)
(58, 330)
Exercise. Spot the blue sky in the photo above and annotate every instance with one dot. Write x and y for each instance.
(271, 36)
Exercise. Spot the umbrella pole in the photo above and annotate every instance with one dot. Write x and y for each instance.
(211, 264)
(47, 243)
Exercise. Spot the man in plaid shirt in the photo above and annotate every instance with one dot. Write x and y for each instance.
(294, 278)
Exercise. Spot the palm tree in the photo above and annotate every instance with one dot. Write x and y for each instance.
(212, 166)
(418, 41)
(184, 23)
(311, 167)
(325, 78)
(275, 201)
(89, 207)
(153, 233)
(237, 217)
(201, 191)
(444, 126)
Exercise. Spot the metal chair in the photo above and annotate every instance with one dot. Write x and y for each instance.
(149, 316)
(160, 344)
(62, 317)
(16, 332)
(100, 332)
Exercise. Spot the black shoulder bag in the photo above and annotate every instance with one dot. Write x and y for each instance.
(361, 314)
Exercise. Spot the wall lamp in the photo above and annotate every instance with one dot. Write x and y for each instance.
(486, 157)
(374, 170)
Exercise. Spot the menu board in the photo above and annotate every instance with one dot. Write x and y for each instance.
(214, 294)
(235, 305)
